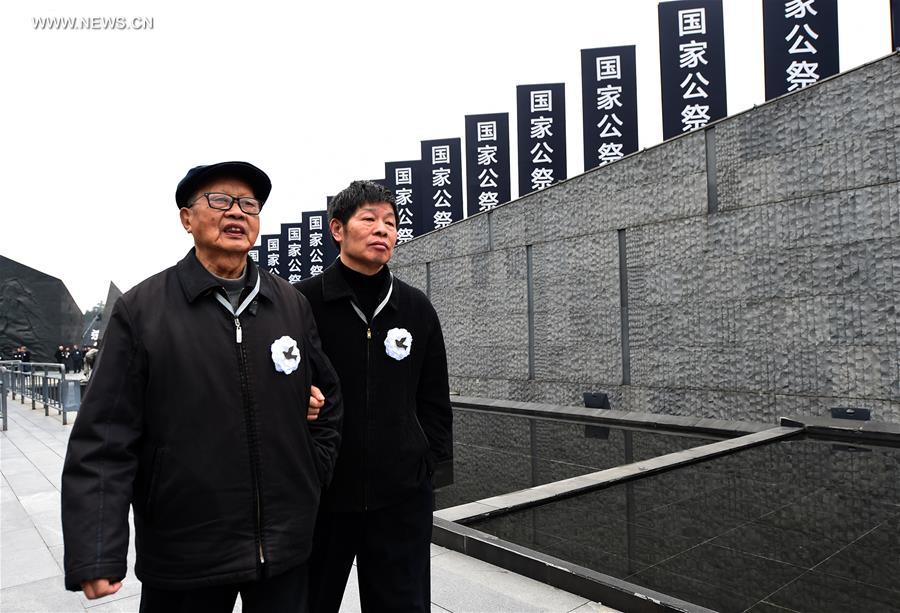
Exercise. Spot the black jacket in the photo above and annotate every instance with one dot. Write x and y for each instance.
(201, 435)
(397, 415)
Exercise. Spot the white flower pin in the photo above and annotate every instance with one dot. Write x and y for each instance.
(286, 355)
(398, 343)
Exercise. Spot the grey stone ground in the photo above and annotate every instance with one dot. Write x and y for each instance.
(31, 549)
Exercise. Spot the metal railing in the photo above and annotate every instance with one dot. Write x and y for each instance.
(40, 382)
(3, 397)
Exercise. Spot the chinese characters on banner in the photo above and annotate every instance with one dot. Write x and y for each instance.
(442, 166)
(487, 161)
(254, 254)
(263, 253)
(272, 245)
(609, 104)
(692, 64)
(541, 128)
(292, 251)
(318, 249)
(801, 43)
(406, 179)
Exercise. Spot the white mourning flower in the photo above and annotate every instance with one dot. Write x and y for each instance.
(398, 343)
(286, 355)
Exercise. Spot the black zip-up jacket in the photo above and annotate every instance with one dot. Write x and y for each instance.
(397, 416)
(201, 434)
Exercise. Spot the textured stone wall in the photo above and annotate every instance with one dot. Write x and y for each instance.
(775, 292)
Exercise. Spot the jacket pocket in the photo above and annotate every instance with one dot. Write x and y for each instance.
(313, 453)
(159, 455)
(426, 455)
(302, 401)
(423, 439)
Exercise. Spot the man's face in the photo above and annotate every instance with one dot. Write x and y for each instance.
(367, 239)
(220, 233)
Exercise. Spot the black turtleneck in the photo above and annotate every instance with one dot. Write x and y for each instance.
(366, 288)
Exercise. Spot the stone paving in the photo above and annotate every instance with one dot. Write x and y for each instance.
(31, 545)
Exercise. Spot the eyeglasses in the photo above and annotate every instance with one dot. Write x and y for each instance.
(224, 202)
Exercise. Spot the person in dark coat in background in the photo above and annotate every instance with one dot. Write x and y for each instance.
(77, 358)
(70, 358)
(25, 356)
(196, 417)
(385, 341)
(60, 356)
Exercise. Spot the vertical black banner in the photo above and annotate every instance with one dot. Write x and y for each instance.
(609, 104)
(318, 249)
(895, 24)
(692, 64)
(541, 127)
(406, 180)
(272, 245)
(801, 43)
(292, 251)
(442, 165)
(488, 180)
(254, 254)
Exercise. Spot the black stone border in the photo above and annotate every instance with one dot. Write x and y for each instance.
(605, 589)
(625, 419)
(876, 432)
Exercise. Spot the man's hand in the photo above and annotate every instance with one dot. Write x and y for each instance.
(98, 588)
(316, 402)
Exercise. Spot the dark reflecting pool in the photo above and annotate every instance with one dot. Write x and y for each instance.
(496, 454)
(800, 525)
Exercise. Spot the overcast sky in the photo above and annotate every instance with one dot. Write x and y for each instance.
(99, 126)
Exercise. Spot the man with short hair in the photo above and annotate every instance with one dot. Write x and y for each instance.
(196, 416)
(385, 341)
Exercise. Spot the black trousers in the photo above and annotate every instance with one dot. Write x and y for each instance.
(392, 547)
(283, 593)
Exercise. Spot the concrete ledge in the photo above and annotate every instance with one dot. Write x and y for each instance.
(847, 429)
(676, 423)
(559, 573)
(565, 488)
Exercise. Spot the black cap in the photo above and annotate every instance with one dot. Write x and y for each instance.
(197, 176)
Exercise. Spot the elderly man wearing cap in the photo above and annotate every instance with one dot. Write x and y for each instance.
(196, 417)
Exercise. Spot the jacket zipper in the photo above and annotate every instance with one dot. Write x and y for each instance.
(368, 323)
(368, 402)
(239, 338)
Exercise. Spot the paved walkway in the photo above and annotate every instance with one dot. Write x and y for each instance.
(31, 550)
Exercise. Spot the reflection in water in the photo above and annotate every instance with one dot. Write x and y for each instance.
(497, 454)
(804, 525)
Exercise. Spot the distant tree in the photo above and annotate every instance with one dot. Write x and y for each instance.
(92, 312)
